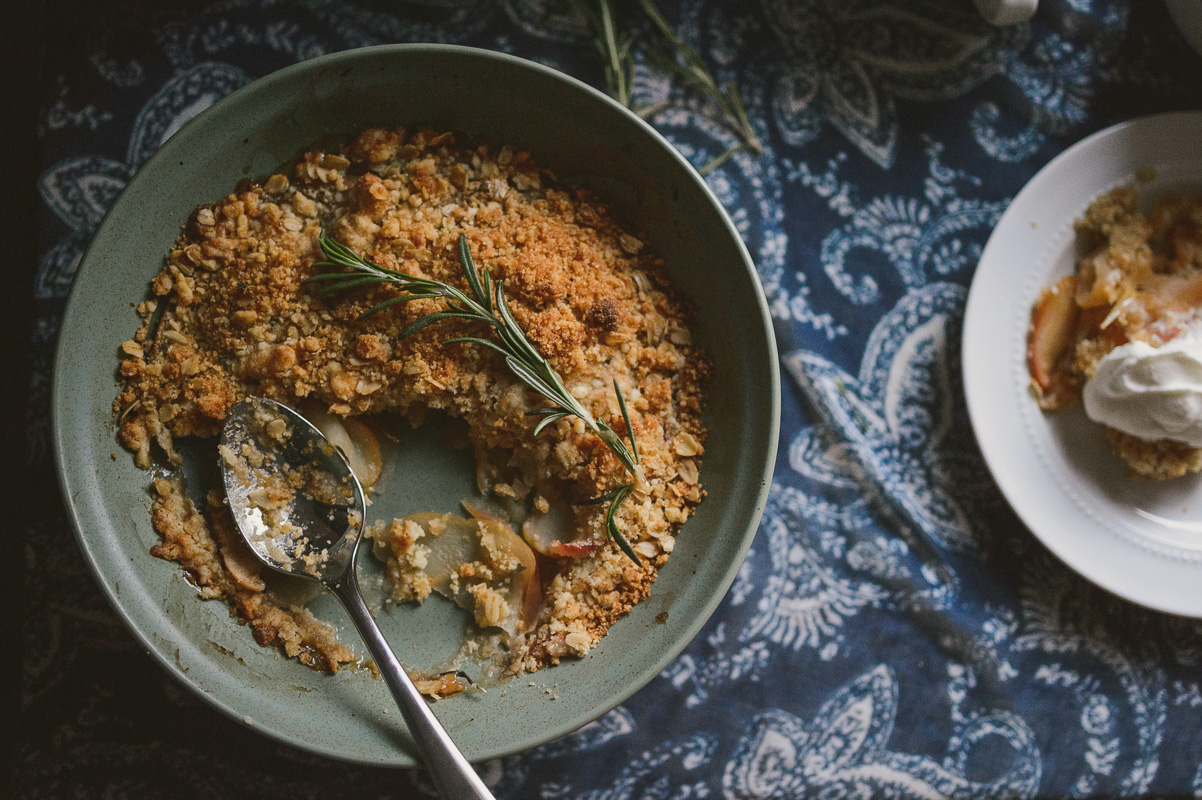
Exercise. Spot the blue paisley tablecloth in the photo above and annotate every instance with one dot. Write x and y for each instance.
(895, 631)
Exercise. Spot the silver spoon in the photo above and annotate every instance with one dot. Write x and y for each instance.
(267, 450)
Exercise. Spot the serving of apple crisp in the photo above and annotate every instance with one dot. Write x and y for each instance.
(540, 558)
(1124, 332)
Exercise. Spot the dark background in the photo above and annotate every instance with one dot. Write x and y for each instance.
(21, 33)
(137, 686)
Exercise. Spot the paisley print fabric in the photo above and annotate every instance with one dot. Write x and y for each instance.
(895, 631)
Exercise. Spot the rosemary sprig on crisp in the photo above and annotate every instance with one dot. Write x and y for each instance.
(686, 65)
(488, 306)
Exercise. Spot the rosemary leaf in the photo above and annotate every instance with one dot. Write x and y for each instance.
(427, 321)
(409, 298)
(548, 420)
(618, 447)
(736, 102)
(473, 275)
(538, 412)
(488, 287)
(719, 160)
(615, 532)
(325, 276)
(648, 112)
(691, 58)
(513, 331)
(634, 446)
(353, 283)
(613, 49)
(532, 379)
(475, 340)
(378, 307)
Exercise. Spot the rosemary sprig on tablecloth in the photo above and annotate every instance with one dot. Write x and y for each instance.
(677, 59)
(614, 49)
(489, 307)
(685, 64)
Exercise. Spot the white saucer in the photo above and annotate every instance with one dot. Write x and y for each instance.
(1141, 540)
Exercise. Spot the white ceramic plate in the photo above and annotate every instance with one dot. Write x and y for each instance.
(1141, 540)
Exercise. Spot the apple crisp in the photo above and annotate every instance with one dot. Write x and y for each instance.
(1137, 289)
(230, 316)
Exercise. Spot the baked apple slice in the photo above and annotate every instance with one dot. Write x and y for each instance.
(357, 440)
(1053, 327)
(484, 567)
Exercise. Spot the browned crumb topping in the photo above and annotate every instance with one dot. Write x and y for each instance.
(1139, 278)
(1154, 460)
(230, 317)
(222, 567)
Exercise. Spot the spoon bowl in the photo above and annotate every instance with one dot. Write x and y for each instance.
(300, 509)
(293, 495)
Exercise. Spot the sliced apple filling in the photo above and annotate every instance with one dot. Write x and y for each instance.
(480, 564)
(1138, 279)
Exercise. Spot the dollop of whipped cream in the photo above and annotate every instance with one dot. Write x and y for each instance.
(1153, 393)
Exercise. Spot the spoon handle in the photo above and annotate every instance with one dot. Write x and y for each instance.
(453, 777)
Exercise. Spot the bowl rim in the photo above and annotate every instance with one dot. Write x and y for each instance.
(166, 151)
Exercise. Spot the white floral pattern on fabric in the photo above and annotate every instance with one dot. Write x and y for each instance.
(896, 419)
(842, 753)
(848, 61)
(1058, 81)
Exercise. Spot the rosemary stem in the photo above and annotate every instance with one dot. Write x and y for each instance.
(615, 67)
(719, 160)
(687, 65)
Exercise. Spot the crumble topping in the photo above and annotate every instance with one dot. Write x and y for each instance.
(230, 317)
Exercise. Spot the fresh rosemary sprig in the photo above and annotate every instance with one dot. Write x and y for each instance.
(488, 306)
(686, 65)
(614, 49)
